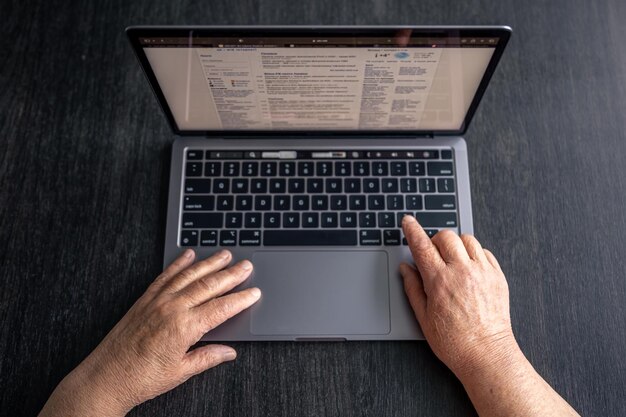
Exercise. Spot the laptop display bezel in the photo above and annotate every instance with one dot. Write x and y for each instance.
(134, 34)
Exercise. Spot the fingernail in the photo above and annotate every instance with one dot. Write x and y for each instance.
(408, 218)
(228, 354)
(188, 253)
(224, 254)
(247, 265)
(256, 293)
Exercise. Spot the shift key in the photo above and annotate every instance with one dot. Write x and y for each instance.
(203, 220)
(436, 219)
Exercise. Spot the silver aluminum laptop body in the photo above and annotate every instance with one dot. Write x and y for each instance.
(325, 292)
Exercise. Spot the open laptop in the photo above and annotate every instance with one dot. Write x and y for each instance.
(301, 148)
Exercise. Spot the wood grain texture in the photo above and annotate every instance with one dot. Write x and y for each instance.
(83, 166)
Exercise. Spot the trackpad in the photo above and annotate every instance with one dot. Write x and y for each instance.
(321, 293)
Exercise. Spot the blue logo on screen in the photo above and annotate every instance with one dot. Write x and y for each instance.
(401, 55)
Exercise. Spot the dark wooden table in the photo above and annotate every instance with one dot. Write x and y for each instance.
(84, 157)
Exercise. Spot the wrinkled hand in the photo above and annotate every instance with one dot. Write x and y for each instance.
(460, 297)
(146, 353)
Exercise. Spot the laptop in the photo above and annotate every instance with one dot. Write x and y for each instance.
(301, 149)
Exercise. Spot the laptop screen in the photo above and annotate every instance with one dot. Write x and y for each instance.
(387, 80)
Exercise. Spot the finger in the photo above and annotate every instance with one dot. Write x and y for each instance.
(182, 262)
(216, 284)
(207, 266)
(414, 289)
(492, 259)
(473, 248)
(215, 312)
(206, 357)
(425, 254)
(450, 247)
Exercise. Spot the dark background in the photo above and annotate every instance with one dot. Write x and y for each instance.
(84, 154)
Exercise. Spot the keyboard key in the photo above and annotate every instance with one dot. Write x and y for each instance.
(440, 168)
(212, 169)
(417, 169)
(252, 220)
(436, 219)
(263, 202)
(319, 202)
(291, 220)
(333, 185)
(228, 238)
(324, 169)
(370, 237)
(295, 185)
(413, 202)
(300, 202)
(329, 220)
(357, 202)
(199, 202)
(447, 154)
(197, 186)
(271, 220)
(234, 220)
(310, 220)
(395, 202)
(347, 219)
(287, 169)
(315, 185)
(240, 185)
(367, 219)
(390, 185)
(391, 237)
(371, 185)
(203, 220)
(386, 219)
(343, 168)
(224, 155)
(193, 169)
(431, 232)
(427, 154)
(189, 238)
(309, 238)
(380, 168)
(193, 154)
(440, 202)
(250, 169)
(221, 186)
(338, 202)
(445, 185)
(208, 238)
(243, 202)
(305, 169)
(361, 168)
(352, 185)
(258, 186)
(398, 168)
(231, 169)
(427, 185)
(282, 202)
(268, 169)
(408, 185)
(225, 203)
(250, 238)
(278, 185)
(376, 202)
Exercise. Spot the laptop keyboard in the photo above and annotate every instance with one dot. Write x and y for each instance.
(314, 198)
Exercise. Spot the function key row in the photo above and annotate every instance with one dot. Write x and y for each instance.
(199, 154)
(319, 169)
(317, 185)
(365, 237)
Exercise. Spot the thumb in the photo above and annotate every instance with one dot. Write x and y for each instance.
(414, 289)
(206, 357)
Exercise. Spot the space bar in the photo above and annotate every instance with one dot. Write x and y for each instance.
(309, 238)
